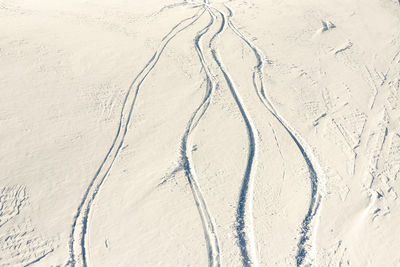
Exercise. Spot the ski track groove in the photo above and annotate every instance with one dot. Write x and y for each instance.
(317, 176)
(244, 212)
(81, 218)
(206, 218)
(39, 258)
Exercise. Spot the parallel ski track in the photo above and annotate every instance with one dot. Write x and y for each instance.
(77, 248)
(317, 176)
(187, 162)
(244, 212)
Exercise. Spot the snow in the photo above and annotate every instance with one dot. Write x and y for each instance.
(199, 133)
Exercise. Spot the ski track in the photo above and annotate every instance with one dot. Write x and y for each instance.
(244, 212)
(77, 249)
(187, 162)
(39, 258)
(317, 176)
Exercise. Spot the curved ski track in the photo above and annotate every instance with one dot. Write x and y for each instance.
(317, 176)
(186, 145)
(77, 248)
(244, 212)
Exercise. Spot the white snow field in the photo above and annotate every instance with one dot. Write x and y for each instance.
(199, 133)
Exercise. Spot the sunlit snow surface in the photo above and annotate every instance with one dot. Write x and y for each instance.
(199, 133)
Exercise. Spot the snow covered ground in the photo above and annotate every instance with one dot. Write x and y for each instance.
(199, 133)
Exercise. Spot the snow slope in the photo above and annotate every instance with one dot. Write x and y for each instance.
(199, 133)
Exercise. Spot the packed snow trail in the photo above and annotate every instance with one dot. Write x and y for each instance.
(187, 162)
(306, 254)
(244, 212)
(77, 243)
